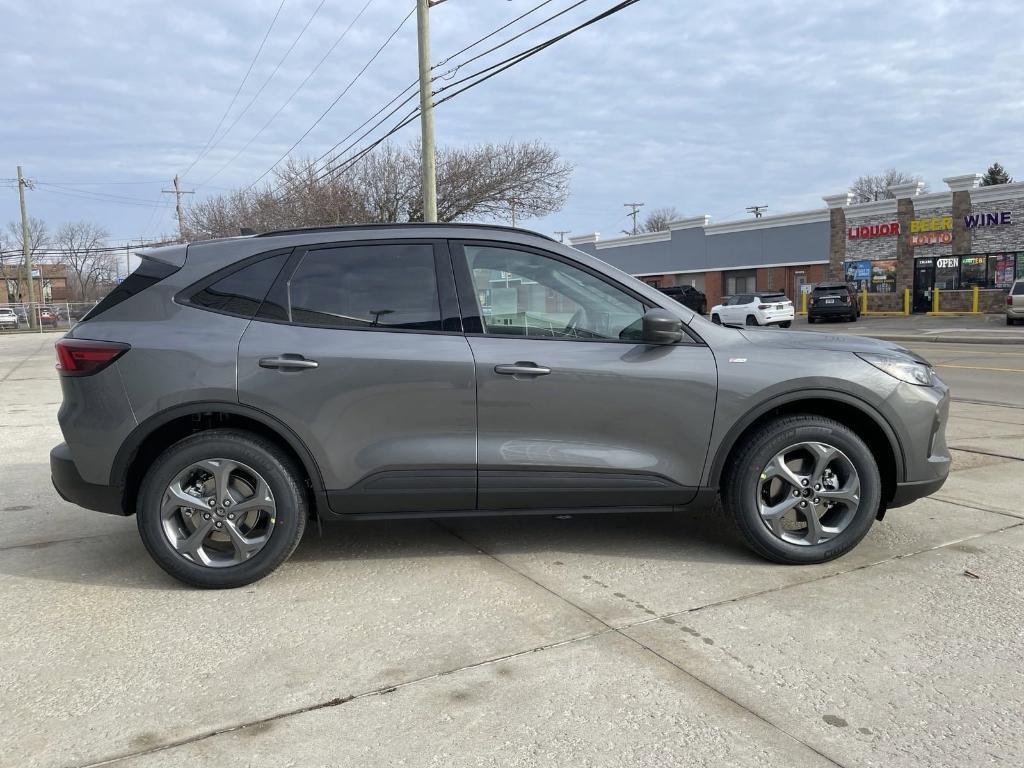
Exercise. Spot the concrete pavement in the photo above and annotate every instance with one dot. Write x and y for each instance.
(609, 641)
(950, 329)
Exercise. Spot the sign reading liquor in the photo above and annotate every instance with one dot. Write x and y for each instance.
(866, 231)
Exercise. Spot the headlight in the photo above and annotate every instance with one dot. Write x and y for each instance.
(900, 368)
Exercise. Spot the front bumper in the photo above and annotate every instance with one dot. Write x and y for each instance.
(907, 493)
(71, 487)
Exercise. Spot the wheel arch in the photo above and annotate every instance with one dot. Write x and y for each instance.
(861, 417)
(162, 429)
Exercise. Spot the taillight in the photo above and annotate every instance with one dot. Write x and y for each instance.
(83, 357)
(763, 306)
(1009, 301)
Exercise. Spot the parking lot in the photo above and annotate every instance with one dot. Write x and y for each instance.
(605, 641)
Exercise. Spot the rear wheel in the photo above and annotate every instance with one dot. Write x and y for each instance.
(751, 320)
(786, 323)
(810, 320)
(716, 319)
(221, 508)
(804, 489)
(853, 316)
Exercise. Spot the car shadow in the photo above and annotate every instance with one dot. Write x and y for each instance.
(117, 558)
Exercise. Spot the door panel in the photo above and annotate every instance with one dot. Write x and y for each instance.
(613, 424)
(389, 416)
(358, 349)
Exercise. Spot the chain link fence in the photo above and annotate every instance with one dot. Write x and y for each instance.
(37, 318)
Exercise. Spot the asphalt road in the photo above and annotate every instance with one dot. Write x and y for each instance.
(978, 372)
(611, 640)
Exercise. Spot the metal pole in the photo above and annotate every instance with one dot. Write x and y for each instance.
(26, 251)
(426, 113)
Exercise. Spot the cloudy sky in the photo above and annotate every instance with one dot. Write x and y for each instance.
(705, 106)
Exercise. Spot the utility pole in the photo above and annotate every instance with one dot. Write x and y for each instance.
(561, 234)
(178, 192)
(757, 210)
(429, 170)
(636, 210)
(512, 202)
(26, 250)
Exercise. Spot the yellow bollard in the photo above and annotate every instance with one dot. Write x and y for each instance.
(974, 301)
(864, 302)
(803, 302)
(935, 299)
(906, 301)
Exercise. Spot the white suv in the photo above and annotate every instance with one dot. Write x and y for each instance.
(1014, 303)
(8, 318)
(769, 308)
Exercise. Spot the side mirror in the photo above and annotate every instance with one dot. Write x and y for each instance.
(662, 327)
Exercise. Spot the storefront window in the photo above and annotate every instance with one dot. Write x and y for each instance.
(1020, 266)
(883, 276)
(1000, 270)
(740, 282)
(947, 273)
(972, 271)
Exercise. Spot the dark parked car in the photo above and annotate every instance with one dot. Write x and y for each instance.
(228, 390)
(832, 301)
(688, 296)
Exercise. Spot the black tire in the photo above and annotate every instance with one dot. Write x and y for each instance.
(786, 323)
(739, 490)
(716, 319)
(1011, 321)
(853, 317)
(751, 320)
(810, 320)
(263, 456)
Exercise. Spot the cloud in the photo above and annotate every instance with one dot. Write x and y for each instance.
(708, 107)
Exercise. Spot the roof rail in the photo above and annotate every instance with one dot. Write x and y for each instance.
(349, 227)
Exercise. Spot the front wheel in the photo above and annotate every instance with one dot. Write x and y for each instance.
(804, 489)
(716, 319)
(786, 323)
(221, 508)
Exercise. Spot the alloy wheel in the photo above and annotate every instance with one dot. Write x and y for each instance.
(808, 493)
(218, 513)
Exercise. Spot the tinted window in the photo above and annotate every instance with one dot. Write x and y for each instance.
(149, 272)
(772, 297)
(367, 286)
(526, 294)
(241, 292)
(1018, 288)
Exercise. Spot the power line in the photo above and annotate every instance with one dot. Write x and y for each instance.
(497, 68)
(238, 90)
(414, 83)
(294, 93)
(266, 82)
(79, 196)
(336, 100)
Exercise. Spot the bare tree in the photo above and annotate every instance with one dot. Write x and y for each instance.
(38, 237)
(485, 181)
(869, 188)
(82, 247)
(658, 219)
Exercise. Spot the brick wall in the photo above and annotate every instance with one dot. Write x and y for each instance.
(713, 288)
(989, 300)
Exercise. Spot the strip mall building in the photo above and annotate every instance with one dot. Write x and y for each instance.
(968, 236)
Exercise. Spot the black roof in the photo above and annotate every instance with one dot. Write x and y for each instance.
(402, 225)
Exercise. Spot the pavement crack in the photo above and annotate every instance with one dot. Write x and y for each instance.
(338, 701)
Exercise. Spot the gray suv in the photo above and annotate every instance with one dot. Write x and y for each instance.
(229, 390)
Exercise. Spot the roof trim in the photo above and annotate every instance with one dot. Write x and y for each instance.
(727, 269)
(768, 222)
(401, 225)
(646, 237)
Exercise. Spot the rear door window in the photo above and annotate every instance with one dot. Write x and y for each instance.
(1018, 288)
(386, 286)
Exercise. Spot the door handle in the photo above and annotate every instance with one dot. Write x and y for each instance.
(522, 368)
(288, 362)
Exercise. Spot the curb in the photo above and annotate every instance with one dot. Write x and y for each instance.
(948, 339)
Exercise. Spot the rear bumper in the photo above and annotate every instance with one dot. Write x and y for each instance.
(832, 310)
(1017, 313)
(71, 487)
(907, 493)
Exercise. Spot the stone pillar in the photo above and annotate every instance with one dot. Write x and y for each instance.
(961, 187)
(905, 194)
(837, 233)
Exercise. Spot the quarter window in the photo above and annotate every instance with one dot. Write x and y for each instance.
(366, 286)
(241, 292)
(526, 294)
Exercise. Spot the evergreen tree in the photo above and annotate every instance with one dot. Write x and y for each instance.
(995, 174)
